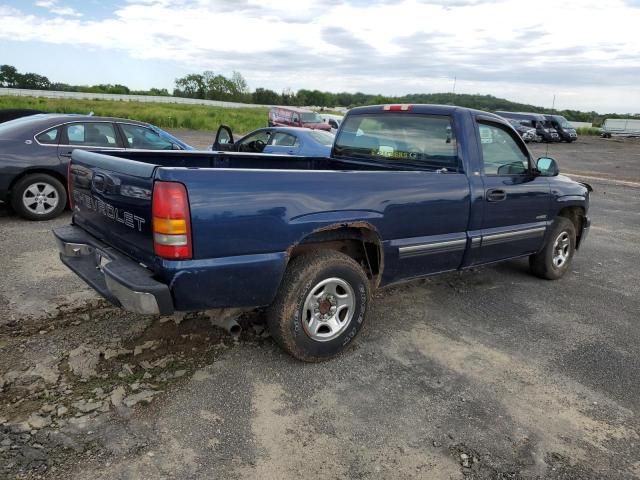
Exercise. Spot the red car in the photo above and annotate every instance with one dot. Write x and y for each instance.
(296, 117)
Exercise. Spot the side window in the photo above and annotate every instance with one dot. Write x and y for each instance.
(501, 153)
(50, 137)
(91, 134)
(137, 136)
(284, 139)
(263, 136)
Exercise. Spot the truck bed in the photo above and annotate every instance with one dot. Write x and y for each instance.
(236, 160)
(247, 211)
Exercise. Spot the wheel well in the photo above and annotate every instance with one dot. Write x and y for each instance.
(35, 171)
(576, 216)
(360, 243)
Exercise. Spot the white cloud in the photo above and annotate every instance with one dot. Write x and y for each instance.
(56, 9)
(498, 47)
(65, 12)
(45, 3)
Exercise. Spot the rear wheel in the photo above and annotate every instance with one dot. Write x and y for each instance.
(38, 197)
(321, 305)
(555, 258)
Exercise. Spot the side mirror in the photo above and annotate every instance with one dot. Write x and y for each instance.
(175, 146)
(547, 167)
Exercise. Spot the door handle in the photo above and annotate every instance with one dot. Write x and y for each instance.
(66, 154)
(496, 195)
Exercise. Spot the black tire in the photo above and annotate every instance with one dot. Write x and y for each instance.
(544, 264)
(289, 320)
(43, 183)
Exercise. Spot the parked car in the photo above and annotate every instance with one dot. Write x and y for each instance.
(295, 117)
(409, 191)
(620, 127)
(565, 130)
(282, 140)
(534, 120)
(35, 152)
(7, 114)
(333, 121)
(528, 134)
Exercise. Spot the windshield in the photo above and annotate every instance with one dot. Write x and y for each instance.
(563, 122)
(171, 138)
(323, 138)
(399, 138)
(310, 117)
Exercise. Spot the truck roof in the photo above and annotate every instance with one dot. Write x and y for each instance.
(423, 108)
(293, 109)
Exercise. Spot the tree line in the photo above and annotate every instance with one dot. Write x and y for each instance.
(11, 78)
(211, 86)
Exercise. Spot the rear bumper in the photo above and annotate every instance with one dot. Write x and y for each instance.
(113, 275)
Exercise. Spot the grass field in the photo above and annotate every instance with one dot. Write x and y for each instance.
(167, 115)
(588, 131)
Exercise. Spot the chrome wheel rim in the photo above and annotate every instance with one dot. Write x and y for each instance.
(561, 250)
(40, 198)
(328, 309)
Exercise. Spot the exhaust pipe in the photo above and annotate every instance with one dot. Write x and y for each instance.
(226, 318)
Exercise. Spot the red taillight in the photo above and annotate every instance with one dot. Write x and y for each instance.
(171, 221)
(397, 108)
(69, 185)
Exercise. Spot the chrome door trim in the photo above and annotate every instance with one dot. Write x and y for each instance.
(514, 235)
(432, 248)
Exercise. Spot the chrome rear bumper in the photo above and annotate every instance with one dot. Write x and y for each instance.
(115, 276)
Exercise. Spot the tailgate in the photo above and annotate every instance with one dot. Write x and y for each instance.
(112, 201)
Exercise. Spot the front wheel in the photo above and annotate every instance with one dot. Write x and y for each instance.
(555, 258)
(321, 305)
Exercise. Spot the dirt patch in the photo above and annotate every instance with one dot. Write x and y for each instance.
(64, 385)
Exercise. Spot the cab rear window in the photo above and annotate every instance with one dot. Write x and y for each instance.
(403, 138)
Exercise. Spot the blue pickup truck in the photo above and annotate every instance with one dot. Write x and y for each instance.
(409, 191)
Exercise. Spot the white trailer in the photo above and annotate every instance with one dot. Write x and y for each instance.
(621, 127)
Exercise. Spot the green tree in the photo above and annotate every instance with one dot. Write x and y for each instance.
(8, 76)
(192, 85)
(240, 90)
(264, 96)
(33, 81)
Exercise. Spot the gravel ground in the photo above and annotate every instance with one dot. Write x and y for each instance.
(487, 374)
(613, 158)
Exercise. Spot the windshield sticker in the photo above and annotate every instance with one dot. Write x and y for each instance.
(389, 152)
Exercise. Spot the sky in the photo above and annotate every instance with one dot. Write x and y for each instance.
(585, 52)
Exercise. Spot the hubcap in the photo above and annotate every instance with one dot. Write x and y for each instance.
(561, 250)
(40, 198)
(328, 309)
